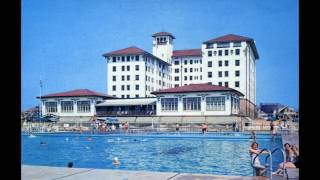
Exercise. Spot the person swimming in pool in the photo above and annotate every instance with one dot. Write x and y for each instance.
(116, 161)
(254, 152)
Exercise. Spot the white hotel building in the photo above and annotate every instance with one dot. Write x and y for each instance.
(228, 61)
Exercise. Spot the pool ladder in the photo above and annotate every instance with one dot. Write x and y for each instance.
(270, 163)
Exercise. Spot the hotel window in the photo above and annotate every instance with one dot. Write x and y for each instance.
(200, 61)
(201, 69)
(128, 68)
(176, 70)
(114, 78)
(210, 83)
(237, 84)
(200, 77)
(122, 78)
(128, 87)
(122, 87)
(83, 106)
(176, 62)
(137, 67)
(220, 74)
(118, 58)
(114, 88)
(51, 107)
(185, 61)
(223, 45)
(192, 104)
(185, 69)
(191, 61)
(186, 78)
(128, 96)
(137, 87)
(209, 53)
(237, 62)
(214, 53)
(114, 68)
(137, 58)
(226, 52)
(226, 84)
(215, 103)
(123, 68)
(169, 104)
(231, 51)
(122, 58)
(237, 51)
(67, 106)
(226, 63)
(128, 58)
(137, 95)
(209, 63)
(226, 74)
(220, 83)
(237, 73)
(220, 52)
(176, 78)
(190, 78)
(220, 63)
(190, 69)
(122, 96)
(176, 85)
(152, 79)
(237, 44)
(114, 59)
(137, 77)
(209, 74)
(128, 77)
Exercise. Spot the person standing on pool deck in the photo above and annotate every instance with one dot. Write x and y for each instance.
(126, 126)
(253, 135)
(177, 127)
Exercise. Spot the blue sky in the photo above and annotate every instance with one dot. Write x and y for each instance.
(63, 40)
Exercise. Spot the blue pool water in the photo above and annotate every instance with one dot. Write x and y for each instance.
(221, 153)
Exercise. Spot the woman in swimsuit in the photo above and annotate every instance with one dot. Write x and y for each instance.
(254, 151)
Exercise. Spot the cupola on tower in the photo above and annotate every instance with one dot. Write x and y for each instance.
(162, 45)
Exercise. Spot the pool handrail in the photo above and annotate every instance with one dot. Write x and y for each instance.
(254, 160)
(284, 159)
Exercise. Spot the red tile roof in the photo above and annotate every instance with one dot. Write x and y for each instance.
(132, 50)
(77, 93)
(196, 88)
(163, 34)
(187, 52)
(235, 38)
(229, 38)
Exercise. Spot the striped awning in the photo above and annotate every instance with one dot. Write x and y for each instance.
(128, 102)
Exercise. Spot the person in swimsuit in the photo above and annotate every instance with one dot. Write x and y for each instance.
(253, 135)
(177, 127)
(254, 151)
(203, 128)
(289, 163)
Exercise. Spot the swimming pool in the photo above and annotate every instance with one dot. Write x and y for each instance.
(214, 153)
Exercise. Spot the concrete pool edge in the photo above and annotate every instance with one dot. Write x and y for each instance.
(64, 173)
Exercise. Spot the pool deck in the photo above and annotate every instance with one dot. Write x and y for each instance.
(54, 173)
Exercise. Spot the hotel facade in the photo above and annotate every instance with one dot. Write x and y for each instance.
(228, 61)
